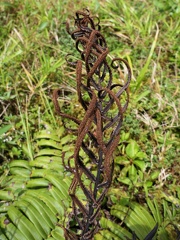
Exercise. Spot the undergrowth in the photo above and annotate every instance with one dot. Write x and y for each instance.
(33, 46)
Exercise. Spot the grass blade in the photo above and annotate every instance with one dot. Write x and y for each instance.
(143, 72)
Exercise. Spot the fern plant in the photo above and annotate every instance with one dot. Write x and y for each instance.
(140, 222)
(34, 194)
(34, 198)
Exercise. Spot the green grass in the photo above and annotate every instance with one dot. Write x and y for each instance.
(33, 46)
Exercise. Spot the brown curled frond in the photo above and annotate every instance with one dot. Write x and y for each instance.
(98, 133)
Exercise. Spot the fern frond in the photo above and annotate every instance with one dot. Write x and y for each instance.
(34, 194)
